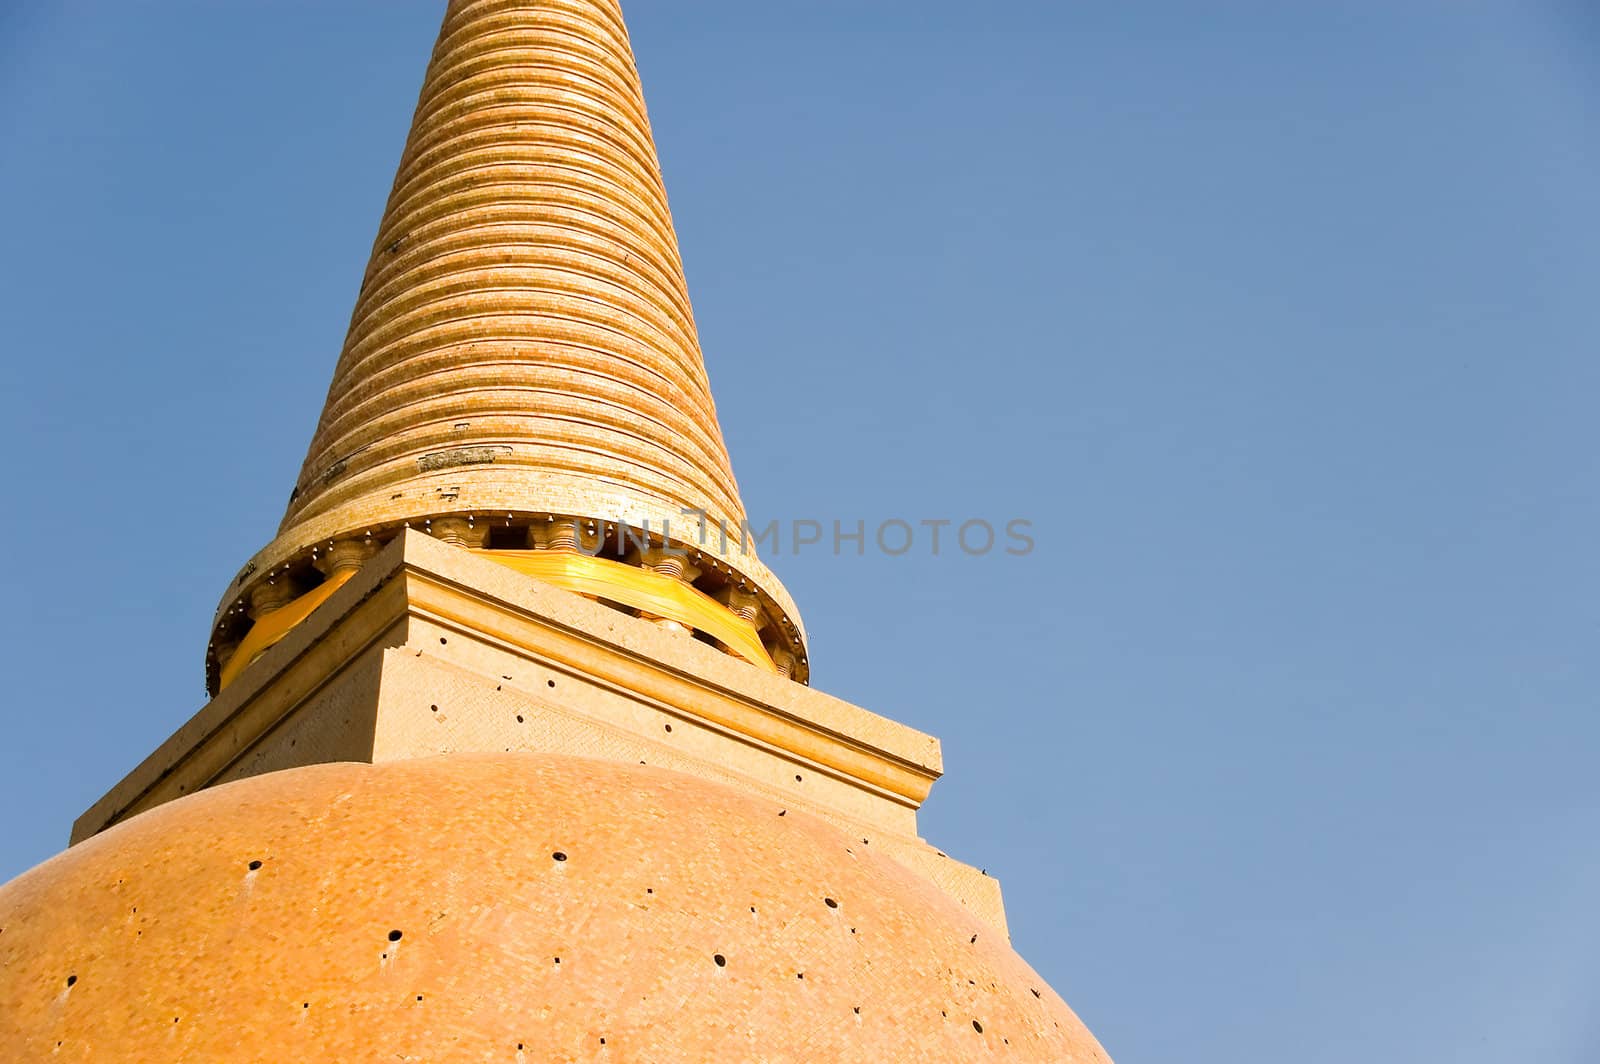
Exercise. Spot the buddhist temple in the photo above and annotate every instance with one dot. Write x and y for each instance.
(511, 754)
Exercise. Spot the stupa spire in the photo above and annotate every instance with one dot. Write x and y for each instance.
(522, 370)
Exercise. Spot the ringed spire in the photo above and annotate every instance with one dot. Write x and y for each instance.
(522, 373)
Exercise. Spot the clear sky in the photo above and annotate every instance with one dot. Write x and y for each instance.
(1277, 320)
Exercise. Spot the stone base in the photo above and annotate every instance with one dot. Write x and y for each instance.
(430, 650)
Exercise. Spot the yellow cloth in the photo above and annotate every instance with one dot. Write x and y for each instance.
(277, 624)
(643, 590)
(652, 593)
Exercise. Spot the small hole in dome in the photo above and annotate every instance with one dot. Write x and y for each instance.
(1035, 992)
(383, 956)
(799, 975)
(519, 1045)
(71, 979)
(519, 718)
(443, 640)
(419, 997)
(722, 962)
(558, 960)
(857, 1010)
(254, 866)
(830, 903)
(305, 1004)
(668, 727)
(549, 683)
(973, 939)
(797, 777)
(752, 908)
(602, 1040)
(558, 856)
(394, 936)
(649, 890)
(852, 930)
(783, 812)
(435, 709)
(976, 1026)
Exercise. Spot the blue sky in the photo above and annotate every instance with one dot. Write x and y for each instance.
(1276, 320)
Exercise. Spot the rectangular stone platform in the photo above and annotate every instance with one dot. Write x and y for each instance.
(432, 650)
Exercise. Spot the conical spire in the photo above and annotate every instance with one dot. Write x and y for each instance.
(522, 356)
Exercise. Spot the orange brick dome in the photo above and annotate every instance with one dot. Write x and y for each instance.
(517, 907)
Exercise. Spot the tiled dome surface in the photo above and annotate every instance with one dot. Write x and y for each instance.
(516, 907)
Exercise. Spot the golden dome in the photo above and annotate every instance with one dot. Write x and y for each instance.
(522, 348)
(517, 907)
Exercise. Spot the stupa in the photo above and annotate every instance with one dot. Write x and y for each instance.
(511, 754)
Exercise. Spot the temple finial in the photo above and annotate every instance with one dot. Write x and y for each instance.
(522, 348)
